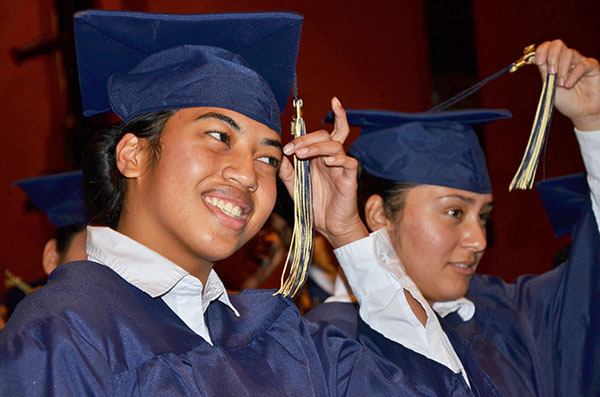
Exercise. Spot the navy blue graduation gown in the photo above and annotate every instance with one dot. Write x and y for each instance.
(88, 332)
(427, 377)
(539, 336)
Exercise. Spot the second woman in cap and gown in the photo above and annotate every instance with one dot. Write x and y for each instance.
(427, 197)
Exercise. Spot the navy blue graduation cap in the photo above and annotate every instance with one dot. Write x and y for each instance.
(133, 63)
(564, 199)
(60, 196)
(425, 148)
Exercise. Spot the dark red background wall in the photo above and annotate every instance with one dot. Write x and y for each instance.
(368, 53)
(523, 241)
(31, 108)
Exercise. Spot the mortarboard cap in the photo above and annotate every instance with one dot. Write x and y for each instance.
(425, 148)
(564, 198)
(60, 196)
(133, 63)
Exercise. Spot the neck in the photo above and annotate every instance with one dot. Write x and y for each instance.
(172, 249)
(416, 308)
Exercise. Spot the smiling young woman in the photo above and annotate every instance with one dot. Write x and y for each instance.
(219, 166)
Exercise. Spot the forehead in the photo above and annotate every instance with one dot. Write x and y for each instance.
(430, 193)
(225, 117)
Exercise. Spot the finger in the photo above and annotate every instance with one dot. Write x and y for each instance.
(346, 162)
(585, 67)
(319, 149)
(577, 57)
(306, 140)
(286, 174)
(341, 129)
(556, 47)
(564, 65)
(541, 53)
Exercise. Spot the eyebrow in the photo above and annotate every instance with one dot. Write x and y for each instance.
(231, 122)
(458, 196)
(221, 117)
(489, 206)
(272, 142)
(467, 200)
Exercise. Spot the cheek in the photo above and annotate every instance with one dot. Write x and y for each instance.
(193, 164)
(265, 196)
(423, 243)
(434, 235)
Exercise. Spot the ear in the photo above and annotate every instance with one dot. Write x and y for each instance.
(130, 155)
(375, 213)
(50, 257)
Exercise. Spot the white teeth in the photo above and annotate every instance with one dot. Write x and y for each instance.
(227, 207)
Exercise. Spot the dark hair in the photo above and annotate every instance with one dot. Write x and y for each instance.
(393, 193)
(64, 236)
(104, 183)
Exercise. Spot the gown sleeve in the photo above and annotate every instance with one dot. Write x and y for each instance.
(560, 307)
(50, 359)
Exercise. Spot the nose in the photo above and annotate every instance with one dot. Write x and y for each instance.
(474, 237)
(240, 170)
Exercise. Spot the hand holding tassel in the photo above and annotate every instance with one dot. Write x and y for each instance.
(578, 77)
(334, 180)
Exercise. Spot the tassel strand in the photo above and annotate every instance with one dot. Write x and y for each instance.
(301, 247)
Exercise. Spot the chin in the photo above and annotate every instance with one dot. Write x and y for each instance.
(452, 295)
(214, 250)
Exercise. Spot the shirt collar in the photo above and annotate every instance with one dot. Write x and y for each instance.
(464, 307)
(145, 269)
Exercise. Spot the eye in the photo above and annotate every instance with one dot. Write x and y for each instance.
(485, 217)
(272, 161)
(455, 213)
(221, 136)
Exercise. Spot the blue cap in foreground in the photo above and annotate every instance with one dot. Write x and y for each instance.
(134, 63)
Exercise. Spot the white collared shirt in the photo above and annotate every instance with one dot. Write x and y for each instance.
(378, 280)
(589, 144)
(157, 276)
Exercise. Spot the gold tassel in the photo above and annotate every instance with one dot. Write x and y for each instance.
(525, 175)
(301, 247)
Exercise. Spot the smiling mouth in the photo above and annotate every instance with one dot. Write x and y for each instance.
(226, 207)
(465, 268)
(463, 265)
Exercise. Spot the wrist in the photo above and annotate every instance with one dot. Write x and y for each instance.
(348, 234)
(587, 123)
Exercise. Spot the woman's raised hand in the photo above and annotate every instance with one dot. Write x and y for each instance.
(334, 180)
